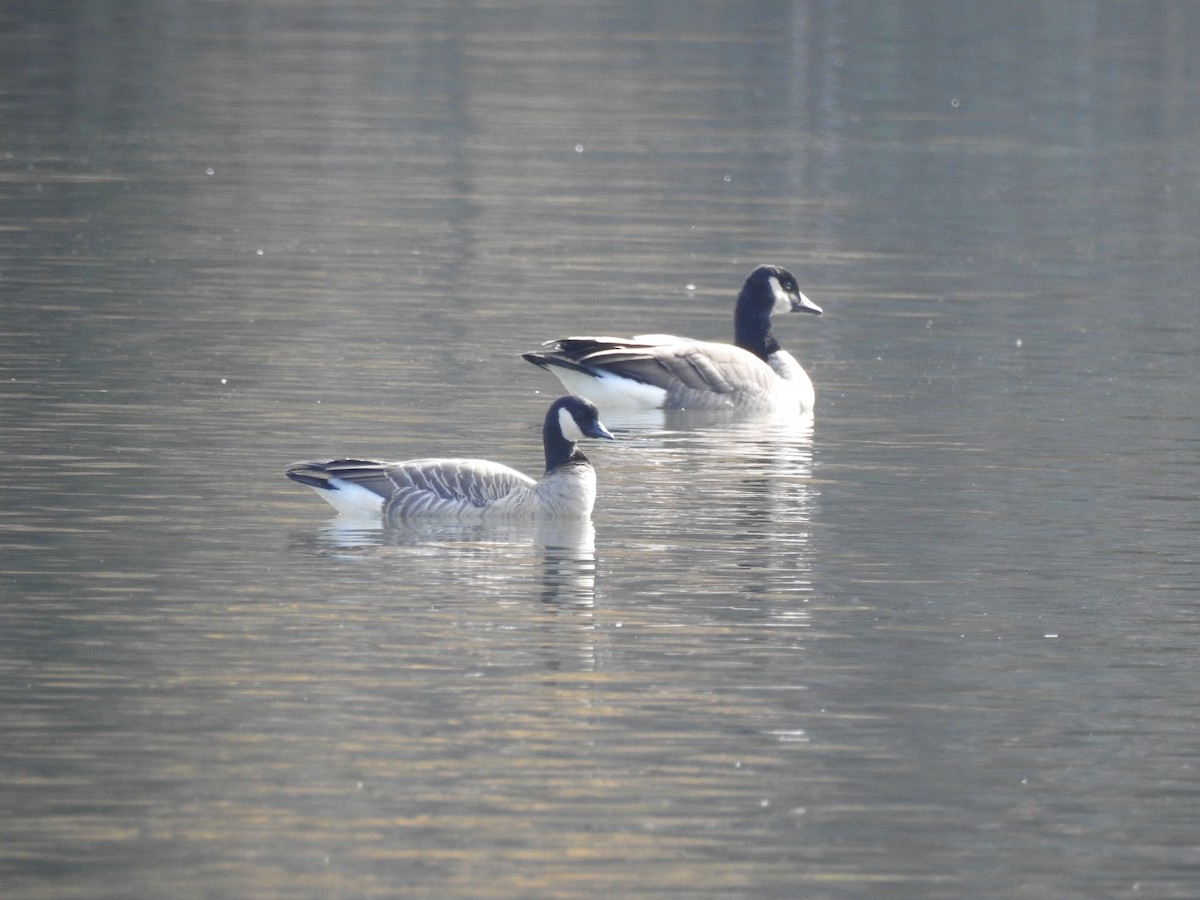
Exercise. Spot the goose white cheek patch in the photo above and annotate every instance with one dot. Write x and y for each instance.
(566, 424)
(783, 303)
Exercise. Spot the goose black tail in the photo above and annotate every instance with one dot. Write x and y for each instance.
(310, 474)
(546, 362)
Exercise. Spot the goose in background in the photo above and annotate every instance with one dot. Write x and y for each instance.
(662, 371)
(469, 489)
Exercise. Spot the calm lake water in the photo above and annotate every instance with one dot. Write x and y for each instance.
(938, 641)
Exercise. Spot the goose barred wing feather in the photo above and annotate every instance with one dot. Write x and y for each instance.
(433, 486)
(720, 368)
(417, 487)
(670, 362)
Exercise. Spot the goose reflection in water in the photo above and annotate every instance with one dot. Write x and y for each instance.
(708, 503)
(554, 561)
(517, 594)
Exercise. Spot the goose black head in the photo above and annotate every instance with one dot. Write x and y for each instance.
(570, 419)
(772, 289)
(768, 289)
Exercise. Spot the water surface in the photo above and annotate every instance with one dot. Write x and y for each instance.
(936, 641)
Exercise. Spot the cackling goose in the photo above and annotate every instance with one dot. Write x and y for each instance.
(469, 489)
(662, 371)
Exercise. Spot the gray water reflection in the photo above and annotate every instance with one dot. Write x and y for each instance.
(725, 502)
(475, 556)
(937, 642)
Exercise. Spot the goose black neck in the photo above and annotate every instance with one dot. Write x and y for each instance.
(559, 451)
(752, 325)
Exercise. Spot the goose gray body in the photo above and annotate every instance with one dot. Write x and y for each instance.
(663, 371)
(469, 489)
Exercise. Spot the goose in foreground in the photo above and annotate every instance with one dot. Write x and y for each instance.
(469, 489)
(662, 371)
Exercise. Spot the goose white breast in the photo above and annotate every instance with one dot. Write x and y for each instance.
(663, 371)
(469, 489)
